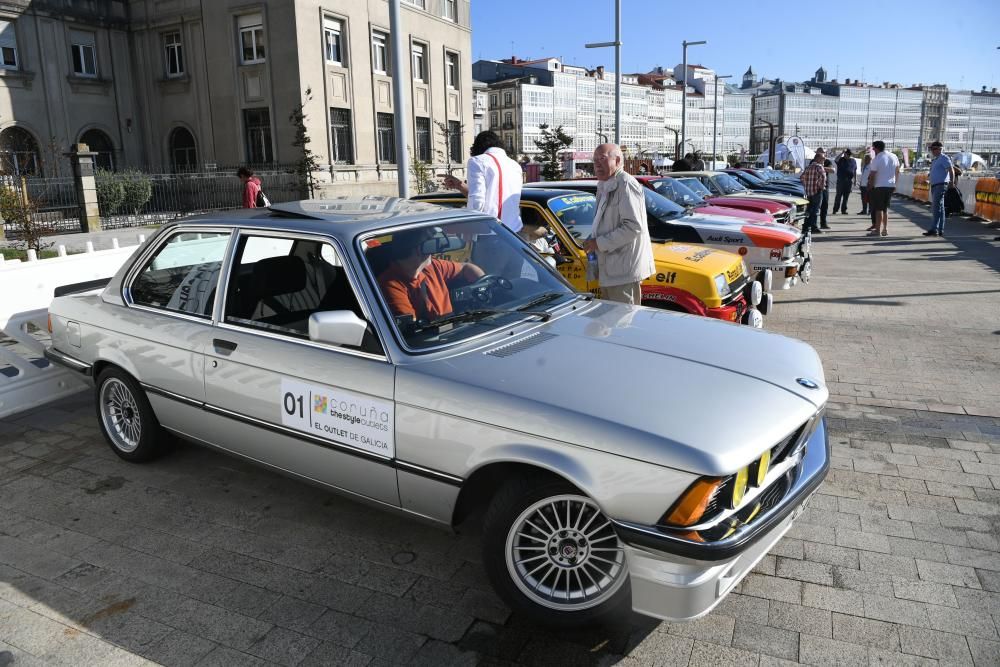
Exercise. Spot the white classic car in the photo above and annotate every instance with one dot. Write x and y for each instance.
(335, 342)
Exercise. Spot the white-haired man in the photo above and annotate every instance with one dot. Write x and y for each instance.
(620, 237)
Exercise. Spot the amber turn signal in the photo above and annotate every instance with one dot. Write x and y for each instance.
(691, 507)
(50, 323)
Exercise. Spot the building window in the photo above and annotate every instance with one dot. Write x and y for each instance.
(449, 10)
(252, 46)
(183, 152)
(386, 136)
(333, 39)
(508, 120)
(84, 53)
(8, 46)
(422, 4)
(423, 139)
(494, 119)
(173, 50)
(508, 99)
(419, 52)
(451, 69)
(342, 150)
(257, 128)
(455, 140)
(494, 101)
(380, 52)
(100, 143)
(18, 152)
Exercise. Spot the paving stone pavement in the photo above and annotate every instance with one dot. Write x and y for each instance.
(202, 559)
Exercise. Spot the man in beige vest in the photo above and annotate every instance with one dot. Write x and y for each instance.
(620, 237)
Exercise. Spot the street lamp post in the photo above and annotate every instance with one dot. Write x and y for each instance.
(399, 100)
(677, 142)
(715, 114)
(684, 92)
(618, 68)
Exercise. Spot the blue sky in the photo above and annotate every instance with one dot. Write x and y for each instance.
(912, 41)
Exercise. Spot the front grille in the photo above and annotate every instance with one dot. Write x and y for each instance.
(782, 449)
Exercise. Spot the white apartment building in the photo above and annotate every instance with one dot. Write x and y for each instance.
(973, 122)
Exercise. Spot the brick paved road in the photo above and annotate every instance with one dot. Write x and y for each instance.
(200, 559)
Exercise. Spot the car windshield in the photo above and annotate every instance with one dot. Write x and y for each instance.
(677, 192)
(446, 282)
(747, 177)
(728, 184)
(660, 207)
(576, 213)
(696, 186)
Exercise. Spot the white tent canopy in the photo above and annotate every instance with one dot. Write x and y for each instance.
(968, 160)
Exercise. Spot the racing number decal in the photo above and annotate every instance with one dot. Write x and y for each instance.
(338, 415)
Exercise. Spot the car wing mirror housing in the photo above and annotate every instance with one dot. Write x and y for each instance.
(337, 327)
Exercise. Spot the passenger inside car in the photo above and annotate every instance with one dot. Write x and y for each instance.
(536, 233)
(417, 284)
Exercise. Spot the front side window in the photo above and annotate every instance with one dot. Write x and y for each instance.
(257, 128)
(8, 46)
(252, 42)
(333, 39)
(183, 274)
(444, 283)
(84, 53)
(276, 284)
(342, 150)
(380, 52)
(451, 69)
(576, 214)
(419, 61)
(174, 54)
(386, 136)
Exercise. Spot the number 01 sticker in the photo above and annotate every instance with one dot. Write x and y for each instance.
(352, 419)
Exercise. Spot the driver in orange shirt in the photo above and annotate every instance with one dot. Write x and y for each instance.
(415, 283)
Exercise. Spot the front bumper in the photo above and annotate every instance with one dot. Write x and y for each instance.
(679, 579)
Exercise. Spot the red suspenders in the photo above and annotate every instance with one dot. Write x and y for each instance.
(500, 193)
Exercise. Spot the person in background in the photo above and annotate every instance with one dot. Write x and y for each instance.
(814, 183)
(942, 177)
(699, 163)
(684, 164)
(824, 205)
(620, 235)
(251, 187)
(494, 185)
(881, 185)
(847, 171)
(866, 168)
(535, 233)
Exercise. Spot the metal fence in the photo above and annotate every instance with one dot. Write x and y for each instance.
(172, 195)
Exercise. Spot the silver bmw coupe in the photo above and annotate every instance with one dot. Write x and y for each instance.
(429, 361)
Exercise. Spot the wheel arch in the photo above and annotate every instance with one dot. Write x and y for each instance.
(512, 462)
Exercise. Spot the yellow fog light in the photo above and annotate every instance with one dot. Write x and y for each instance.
(759, 468)
(739, 487)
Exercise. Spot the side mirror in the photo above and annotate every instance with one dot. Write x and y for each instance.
(337, 327)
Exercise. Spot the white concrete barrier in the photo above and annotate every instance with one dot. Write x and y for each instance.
(26, 289)
(904, 184)
(967, 186)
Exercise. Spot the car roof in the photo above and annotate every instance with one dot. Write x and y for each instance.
(342, 217)
(693, 173)
(536, 192)
(562, 185)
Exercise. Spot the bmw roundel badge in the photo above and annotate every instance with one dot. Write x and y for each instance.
(807, 383)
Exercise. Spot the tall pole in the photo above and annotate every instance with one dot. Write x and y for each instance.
(715, 114)
(399, 100)
(618, 72)
(684, 92)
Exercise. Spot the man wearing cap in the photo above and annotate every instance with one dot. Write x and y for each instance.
(847, 170)
(814, 184)
(942, 177)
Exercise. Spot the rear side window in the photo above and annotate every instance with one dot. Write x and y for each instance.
(183, 274)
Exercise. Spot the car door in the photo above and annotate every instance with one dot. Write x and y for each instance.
(319, 411)
(559, 212)
(161, 337)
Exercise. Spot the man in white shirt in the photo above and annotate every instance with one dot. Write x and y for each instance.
(494, 185)
(881, 185)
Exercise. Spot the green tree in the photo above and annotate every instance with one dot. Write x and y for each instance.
(110, 191)
(18, 209)
(307, 163)
(422, 174)
(137, 189)
(552, 141)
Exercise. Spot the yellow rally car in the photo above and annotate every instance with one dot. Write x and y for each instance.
(689, 278)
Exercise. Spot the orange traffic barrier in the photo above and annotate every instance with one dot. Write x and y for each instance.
(921, 188)
(988, 199)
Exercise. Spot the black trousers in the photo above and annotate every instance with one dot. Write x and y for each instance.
(843, 193)
(824, 207)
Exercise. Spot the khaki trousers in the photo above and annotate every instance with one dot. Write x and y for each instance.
(627, 293)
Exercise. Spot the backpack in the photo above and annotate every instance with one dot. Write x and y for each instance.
(953, 202)
(262, 201)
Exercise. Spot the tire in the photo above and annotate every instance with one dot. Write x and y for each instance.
(126, 418)
(530, 511)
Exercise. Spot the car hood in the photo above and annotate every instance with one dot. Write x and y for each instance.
(741, 213)
(676, 390)
(734, 200)
(787, 199)
(697, 258)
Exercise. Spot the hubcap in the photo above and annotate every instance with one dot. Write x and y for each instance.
(563, 553)
(120, 414)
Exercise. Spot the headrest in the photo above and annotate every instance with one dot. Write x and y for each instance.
(279, 275)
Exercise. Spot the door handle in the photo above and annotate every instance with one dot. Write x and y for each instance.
(223, 345)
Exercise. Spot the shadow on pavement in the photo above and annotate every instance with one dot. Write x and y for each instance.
(879, 299)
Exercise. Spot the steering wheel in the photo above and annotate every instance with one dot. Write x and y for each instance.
(481, 290)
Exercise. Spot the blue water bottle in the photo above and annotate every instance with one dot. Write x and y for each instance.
(592, 270)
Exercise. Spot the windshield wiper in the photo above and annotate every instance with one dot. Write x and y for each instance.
(539, 300)
(478, 314)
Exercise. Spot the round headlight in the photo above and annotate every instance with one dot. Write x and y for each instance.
(755, 319)
(756, 293)
(739, 488)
